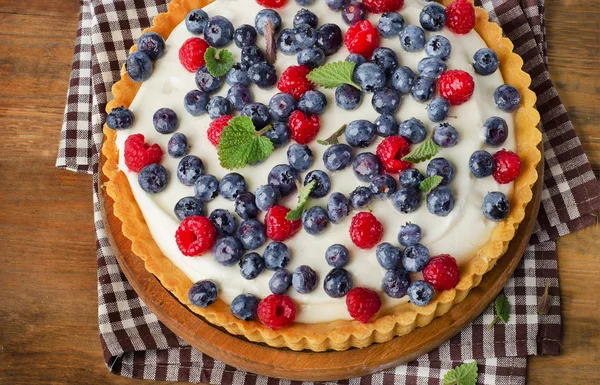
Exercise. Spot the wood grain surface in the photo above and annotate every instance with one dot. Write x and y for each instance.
(48, 302)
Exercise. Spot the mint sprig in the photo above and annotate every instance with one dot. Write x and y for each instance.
(218, 64)
(333, 74)
(295, 214)
(241, 144)
(423, 152)
(430, 183)
(333, 139)
(465, 374)
(502, 310)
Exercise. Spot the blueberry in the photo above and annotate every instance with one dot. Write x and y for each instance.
(369, 77)
(218, 106)
(440, 201)
(224, 222)
(337, 255)
(315, 220)
(356, 58)
(300, 156)
(267, 196)
(386, 100)
(312, 102)
(206, 188)
(178, 145)
(406, 200)
(441, 167)
(280, 281)
(431, 67)
(119, 118)
(438, 46)
(336, 5)
(305, 2)
(433, 17)
(203, 293)
(347, 97)
(360, 197)
(423, 89)
(152, 44)
(238, 96)
(206, 82)
(263, 75)
(165, 120)
(495, 206)
(286, 42)
(495, 131)
(337, 283)
(353, 12)
(227, 250)
(276, 255)
(386, 59)
(386, 125)
(218, 31)
(188, 207)
(244, 36)
(322, 183)
(403, 79)
(279, 134)
(390, 24)
(196, 20)
(195, 102)
(411, 178)
(438, 109)
(337, 157)
(366, 166)
(507, 98)
(304, 16)
(284, 178)
(189, 169)
(305, 36)
(485, 61)
(245, 205)
(481, 164)
(395, 282)
(412, 38)
(383, 186)
(139, 66)
(445, 135)
(412, 130)
(244, 307)
(258, 113)
(260, 21)
(251, 234)
(360, 133)
(414, 258)
(388, 255)
(251, 265)
(281, 106)
(231, 185)
(420, 293)
(409, 234)
(304, 279)
(329, 38)
(251, 55)
(337, 207)
(237, 75)
(311, 57)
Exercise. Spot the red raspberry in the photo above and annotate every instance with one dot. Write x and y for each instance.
(362, 38)
(381, 6)
(365, 230)
(272, 3)
(216, 127)
(507, 166)
(362, 303)
(391, 151)
(195, 235)
(303, 127)
(457, 86)
(139, 154)
(442, 272)
(277, 311)
(278, 227)
(191, 53)
(460, 17)
(293, 81)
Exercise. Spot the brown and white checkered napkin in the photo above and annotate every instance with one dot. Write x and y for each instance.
(137, 345)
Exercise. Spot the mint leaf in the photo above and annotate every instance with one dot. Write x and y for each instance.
(333, 139)
(423, 152)
(465, 374)
(430, 183)
(241, 144)
(502, 310)
(333, 74)
(544, 301)
(295, 214)
(218, 65)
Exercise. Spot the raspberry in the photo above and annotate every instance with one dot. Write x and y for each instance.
(362, 303)
(195, 235)
(457, 86)
(303, 127)
(293, 81)
(139, 154)
(278, 227)
(362, 38)
(381, 6)
(507, 166)
(191, 53)
(216, 127)
(391, 151)
(442, 272)
(460, 17)
(365, 230)
(272, 3)
(276, 311)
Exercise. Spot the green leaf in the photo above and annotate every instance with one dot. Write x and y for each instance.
(218, 65)
(544, 301)
(423, 152)
(333, 139)
(303, 194)
(502, 310)
(430, 183)
(465, 374)
(333, 74)
(241, 144)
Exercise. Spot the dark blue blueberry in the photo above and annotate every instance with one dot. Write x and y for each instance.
(485, 61)
(438, 109)
(195, 102)
(495, 206)
(395, 282)
(412, 38)
(412, 130)
(415, 258)
(495, 131)
(407, 200)
(139, 66)
(218, 106)
(388, 255)
(237, 75)
(507, 98)
(369, 77)
(336, 5)
(322, 183)
(258, 113)
(286, 42)
(337, 283)
(218, 31)
(438, 46)
(366, 166)
(386, 125)
(337, 157)
(251, 55)
(203, 293)
(329, 38)
(267, 196)
(315, 220)
(196, 20)
(300, 156)
(390, 24)
(251, 265)
(423, 89)
(403, 79)
(239, 95)
(263, 75)
(411, 178)
(383, 186)
(276, 255)
(260, 21)
(445, 135)
(279, 134)
(353, 12)
(251, 234)
(188, 207)
(206, 82)
(431, 67)
(386, 100)
(305, 2)
(386, 59)
(245, 35)
(152, 44)
(283, 177)
(440, 201)
(189, 169)
(337, 255)
(304, 16)
(481, 164)
(227, 250)
(312, 102)
(305, 36)
(281, 106)
(245, 205)
(165, 120)
(311, 57)
(231, 185)
(433, 17)
(119, 118)
(360, 197)
(304, 279)
(178, 145)
(280, 281)
(441, 167)
(347, 97)
(357, 59)
(409, 234)
(224, 222)
(244, 307)
(337, 207)
(360, 133)
(420, 293)
(206, 187)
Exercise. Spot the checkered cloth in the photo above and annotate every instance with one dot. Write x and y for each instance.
(137, 345)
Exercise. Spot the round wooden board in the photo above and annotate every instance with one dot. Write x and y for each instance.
(306, 365)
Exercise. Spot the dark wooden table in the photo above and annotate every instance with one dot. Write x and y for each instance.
(48, 302)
